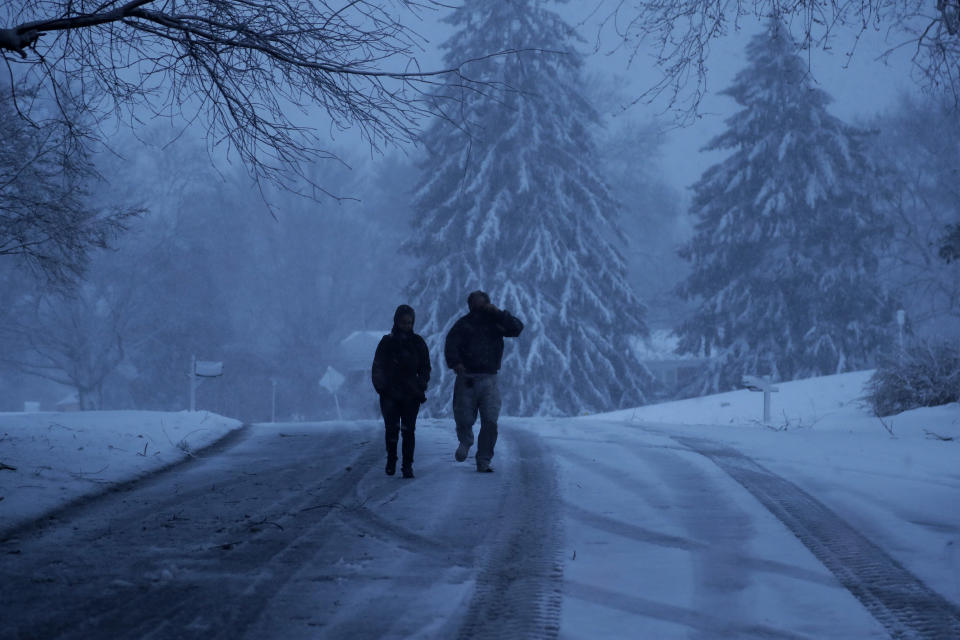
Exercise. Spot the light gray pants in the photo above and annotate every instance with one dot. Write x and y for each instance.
(477, 393)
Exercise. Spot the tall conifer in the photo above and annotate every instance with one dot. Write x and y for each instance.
(510, 201)
(784, 256)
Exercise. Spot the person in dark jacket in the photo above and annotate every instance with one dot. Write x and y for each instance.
(401, 371)
(474, 350)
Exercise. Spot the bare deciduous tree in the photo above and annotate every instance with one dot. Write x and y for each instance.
(46, 217)
(74, 339)
(680, 33)
(249, 72)
(919, 143)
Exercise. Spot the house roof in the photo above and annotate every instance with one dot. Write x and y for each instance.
(355, 352)
(659, 346)
(71, 398)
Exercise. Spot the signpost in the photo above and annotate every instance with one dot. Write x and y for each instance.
(201, 369)
(273, 400)
(331, 381)
(901, 320)
(754, 383)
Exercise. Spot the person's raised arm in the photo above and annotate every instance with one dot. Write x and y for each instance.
(508, 324)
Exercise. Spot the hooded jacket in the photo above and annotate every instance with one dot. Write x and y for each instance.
(401, 365)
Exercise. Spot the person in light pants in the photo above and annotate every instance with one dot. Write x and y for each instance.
(474, 350)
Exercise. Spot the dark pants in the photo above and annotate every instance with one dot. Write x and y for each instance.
(400, 416)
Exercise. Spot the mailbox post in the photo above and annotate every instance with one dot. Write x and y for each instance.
(754, 383)
(201, 369)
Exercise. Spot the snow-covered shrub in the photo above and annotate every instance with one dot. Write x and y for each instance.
(927, 374)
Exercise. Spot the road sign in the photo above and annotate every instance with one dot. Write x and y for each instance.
(331, 380)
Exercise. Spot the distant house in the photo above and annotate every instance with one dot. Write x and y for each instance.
(658, 353)
(353, 359)
(70, 402)
(355, 356)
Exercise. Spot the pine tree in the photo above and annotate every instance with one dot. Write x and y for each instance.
(784, 255)
(510, 202)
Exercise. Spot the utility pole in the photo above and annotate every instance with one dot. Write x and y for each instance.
(273, 400)
(901, 320)
(193, 383)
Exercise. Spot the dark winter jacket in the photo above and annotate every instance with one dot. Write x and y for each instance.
(476, 340)
(401, 365)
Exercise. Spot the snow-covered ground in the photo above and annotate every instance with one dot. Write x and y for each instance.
(896, 481)
(58, 458)
(684, 519)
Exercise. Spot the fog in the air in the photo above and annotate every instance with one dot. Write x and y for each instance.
(284, 287)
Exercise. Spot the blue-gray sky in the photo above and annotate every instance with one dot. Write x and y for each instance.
(861, 86)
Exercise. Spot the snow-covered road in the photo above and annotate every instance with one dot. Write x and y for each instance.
(296, 532)
(703, 542)
(591, 527)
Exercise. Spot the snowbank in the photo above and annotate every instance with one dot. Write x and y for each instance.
(51, 459)
(828, 403)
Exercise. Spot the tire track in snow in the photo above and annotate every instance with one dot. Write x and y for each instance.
(518, 591)
(269, 562)
(900, 601)
(225, 583)
(390, 533)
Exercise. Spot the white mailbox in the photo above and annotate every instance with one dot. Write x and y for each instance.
(754, 383)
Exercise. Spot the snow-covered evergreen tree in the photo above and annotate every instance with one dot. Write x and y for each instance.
(510, 202)
(784, 255)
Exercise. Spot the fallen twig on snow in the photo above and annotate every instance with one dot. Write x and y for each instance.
(937, 436)
(7, 467)
(89, 473)
(62, 426)
(265, 521)
(226, 546)
(336, 505)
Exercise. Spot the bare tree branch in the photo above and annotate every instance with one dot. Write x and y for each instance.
(680, 33)
(46, 217)
(252, 74)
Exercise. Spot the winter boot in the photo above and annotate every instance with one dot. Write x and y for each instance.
(407, 471)
(391, 467)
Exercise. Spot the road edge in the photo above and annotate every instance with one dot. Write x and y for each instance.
(38, 522)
